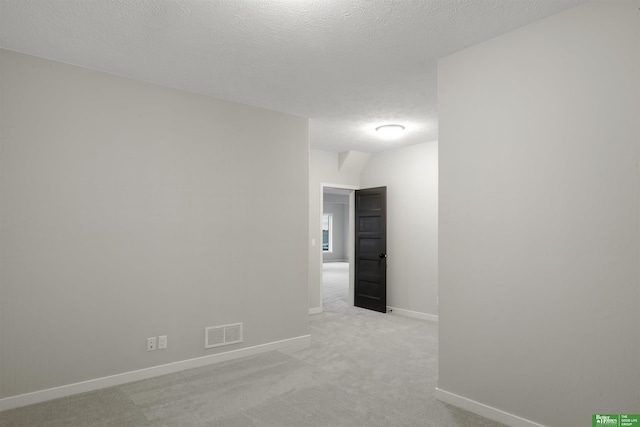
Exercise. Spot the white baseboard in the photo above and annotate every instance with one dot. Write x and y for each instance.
(155, 371)
(315, 310)
(483, 410)
(414, 314)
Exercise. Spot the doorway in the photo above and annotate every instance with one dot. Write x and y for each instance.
(340, 207)
(337, 213)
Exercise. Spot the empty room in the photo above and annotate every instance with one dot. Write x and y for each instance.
(320, 213)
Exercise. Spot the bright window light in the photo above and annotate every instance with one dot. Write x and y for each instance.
(327, 240)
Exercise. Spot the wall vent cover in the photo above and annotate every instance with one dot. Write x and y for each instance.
(216, 336)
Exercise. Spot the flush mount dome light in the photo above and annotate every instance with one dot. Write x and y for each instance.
(390, 131)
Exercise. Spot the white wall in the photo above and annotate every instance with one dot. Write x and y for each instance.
(539, 287)
(323, 168)
(131, 210)
(411, 177)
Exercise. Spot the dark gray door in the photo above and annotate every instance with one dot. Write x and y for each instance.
(371, 249)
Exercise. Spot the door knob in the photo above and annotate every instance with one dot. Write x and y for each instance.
(382, 256)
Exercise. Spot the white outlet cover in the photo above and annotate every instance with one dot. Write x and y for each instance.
(151, 343)
(162, 341)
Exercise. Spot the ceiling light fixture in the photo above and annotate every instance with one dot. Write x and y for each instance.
(390, 131)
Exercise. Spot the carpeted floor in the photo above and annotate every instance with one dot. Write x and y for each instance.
(362, 369)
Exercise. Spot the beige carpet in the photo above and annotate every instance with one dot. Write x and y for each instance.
(335, 287)
(362, 369)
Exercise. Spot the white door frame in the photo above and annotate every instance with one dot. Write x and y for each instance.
(350, 237)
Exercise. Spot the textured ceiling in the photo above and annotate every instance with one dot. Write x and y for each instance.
(348, 65)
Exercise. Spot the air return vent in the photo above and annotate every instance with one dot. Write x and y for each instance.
(216, 336)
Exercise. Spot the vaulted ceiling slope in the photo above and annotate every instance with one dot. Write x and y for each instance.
(348, 65)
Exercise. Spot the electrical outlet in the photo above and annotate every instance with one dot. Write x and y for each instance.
(162, 342)
(151, 343)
